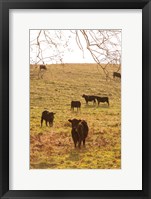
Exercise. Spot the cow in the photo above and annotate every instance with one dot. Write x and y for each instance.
(42, 70)
(102, 99)
(89, 98)
(75, 104)
(116, 74)
(48, 117)
(79, 131)
(42, 67)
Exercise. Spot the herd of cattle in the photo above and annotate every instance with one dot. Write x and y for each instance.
(49, 116)
(80, 128)
(89, 98)
(43, 67)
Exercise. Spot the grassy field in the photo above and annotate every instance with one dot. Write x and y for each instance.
(52, 147)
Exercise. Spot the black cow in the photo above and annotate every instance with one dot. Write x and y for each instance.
(89, 98)
(102, 99)
(48, 117)
(75, 104)
(79, 131)
(42, 67)
(116, 74)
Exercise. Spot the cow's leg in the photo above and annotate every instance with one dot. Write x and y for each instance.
(75, 144)
(107, 102)
(75, 141)
(41, 121)
(84, 142)
(46, 123)
(42, 75)
(79, 145)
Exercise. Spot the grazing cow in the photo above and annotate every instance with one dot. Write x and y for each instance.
(115, 74)
(79, 131)
(89, 98)
(42, 67)
(48, 117)
(75, 104)
(102, 99)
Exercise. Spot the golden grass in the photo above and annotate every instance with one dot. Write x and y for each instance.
(52, 147)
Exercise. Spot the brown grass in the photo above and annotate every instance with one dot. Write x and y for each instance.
(52, 147)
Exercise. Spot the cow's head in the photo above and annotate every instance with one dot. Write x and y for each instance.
(74, 123)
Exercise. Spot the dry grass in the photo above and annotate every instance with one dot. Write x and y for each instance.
(52, 147)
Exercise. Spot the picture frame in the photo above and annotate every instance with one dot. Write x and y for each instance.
(5, 6)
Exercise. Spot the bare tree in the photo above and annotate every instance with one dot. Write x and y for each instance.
(50, 46)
